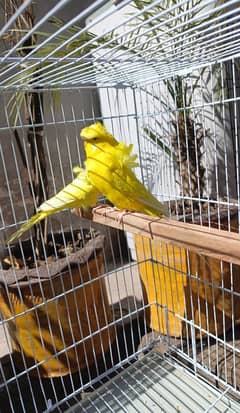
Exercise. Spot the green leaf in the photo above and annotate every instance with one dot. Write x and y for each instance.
(159, 141)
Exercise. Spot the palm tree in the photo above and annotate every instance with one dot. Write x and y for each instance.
(186, 142)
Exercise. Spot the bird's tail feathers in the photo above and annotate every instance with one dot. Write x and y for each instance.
(29, 224)
(155, 207)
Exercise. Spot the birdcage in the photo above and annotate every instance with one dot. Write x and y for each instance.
(141, 313)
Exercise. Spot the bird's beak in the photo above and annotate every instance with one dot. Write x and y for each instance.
(83, 137)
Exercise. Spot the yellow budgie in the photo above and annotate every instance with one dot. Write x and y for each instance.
(109, 166)
(79, 193)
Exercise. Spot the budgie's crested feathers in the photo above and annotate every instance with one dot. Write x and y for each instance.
(98, 136)
(127, 159)
(97, 131)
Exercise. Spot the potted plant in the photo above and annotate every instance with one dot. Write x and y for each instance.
(52, 295)
(182, 285)
(172, 288)
(57, 308)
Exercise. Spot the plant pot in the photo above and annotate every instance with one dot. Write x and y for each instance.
(53, 317)
(182, 285)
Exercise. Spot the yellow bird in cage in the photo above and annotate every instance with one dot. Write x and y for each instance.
(79, 193)
(109, 166)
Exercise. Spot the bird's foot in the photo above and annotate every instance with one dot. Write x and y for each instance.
(121, 215)
(110, 209)
(97, 207)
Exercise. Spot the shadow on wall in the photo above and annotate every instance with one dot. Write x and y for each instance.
(222, 118)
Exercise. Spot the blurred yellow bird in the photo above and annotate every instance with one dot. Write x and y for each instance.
(109, 166)
(79, 193)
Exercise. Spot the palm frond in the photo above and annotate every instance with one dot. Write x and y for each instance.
(158, 140)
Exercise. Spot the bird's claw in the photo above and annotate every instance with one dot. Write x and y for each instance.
(121, 215)
(96, 208)
(110, 209)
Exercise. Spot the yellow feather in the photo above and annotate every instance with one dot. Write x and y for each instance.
(79, 193)
(109, 166)
(98, 131)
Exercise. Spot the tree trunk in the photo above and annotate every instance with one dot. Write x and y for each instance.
(39, 175)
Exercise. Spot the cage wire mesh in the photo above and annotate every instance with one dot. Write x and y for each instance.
(82, 301)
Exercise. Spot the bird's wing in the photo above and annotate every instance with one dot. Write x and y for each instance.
(78, 170)
(133, 189)
(153, 204)
(35, 219)
(79, 193)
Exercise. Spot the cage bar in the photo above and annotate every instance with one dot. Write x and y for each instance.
(101, 312)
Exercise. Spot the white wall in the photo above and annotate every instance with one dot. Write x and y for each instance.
(126, 118)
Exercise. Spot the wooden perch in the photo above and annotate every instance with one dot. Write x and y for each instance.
(203, 240)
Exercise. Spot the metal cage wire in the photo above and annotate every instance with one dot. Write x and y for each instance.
(122, 56)
(165, 78)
